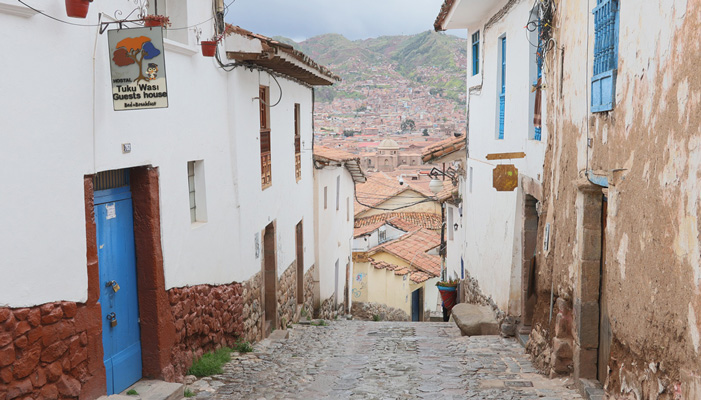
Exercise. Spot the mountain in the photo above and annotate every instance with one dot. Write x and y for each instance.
(429, 60)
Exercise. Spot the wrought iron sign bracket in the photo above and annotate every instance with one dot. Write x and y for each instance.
(450, 173)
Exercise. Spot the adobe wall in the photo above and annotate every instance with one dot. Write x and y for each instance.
(649, 146)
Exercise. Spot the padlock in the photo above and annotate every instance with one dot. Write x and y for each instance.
(112, 317)
(114, 285)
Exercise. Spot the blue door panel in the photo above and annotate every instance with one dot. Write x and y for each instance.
(415, 304)
(117, 262)
(128, 364)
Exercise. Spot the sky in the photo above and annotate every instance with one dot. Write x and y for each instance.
(354, 19)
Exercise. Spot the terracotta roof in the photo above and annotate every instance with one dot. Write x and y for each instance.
(326, 156)
(362, 230)
(402, 224)
(277, 56)
(419, 276)
(381, 187)
(443, 148)
(418, 219)
(415, 276)
(443, 14)
(412, 248)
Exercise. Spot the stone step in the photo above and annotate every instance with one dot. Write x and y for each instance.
(150, 390)
(279, 334)
(475, 320)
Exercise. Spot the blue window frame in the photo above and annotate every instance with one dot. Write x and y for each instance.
(603, 81)
(476, 53)
(502, 91)
(537, 134)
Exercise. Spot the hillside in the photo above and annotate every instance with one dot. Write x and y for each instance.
(430, 61)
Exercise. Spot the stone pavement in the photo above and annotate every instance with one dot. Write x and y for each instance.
(383, 360)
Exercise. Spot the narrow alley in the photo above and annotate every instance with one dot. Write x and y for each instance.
(382, 360)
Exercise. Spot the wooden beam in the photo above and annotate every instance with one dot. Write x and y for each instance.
(505, 156)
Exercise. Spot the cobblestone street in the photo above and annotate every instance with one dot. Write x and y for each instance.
(382, 360)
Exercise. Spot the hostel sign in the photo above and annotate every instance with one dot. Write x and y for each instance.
(138, 69)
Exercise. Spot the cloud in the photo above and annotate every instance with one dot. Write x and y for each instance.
(354, 19)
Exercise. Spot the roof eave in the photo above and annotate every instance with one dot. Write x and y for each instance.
(454, 156)
(248, 48)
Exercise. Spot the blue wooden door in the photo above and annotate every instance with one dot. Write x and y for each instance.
(120, 309)
(415, 305)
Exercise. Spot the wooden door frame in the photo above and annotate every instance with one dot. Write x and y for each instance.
(269, 284)
(299, 242)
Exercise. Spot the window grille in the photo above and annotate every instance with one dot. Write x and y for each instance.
(382, 236)
(603, 82)
(110, 179)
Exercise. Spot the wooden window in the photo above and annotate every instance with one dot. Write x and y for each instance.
(347, 209)
(298, 145)
(603, 81)
(326, 191)
(265, 153)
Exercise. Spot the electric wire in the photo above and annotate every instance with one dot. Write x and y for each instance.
(226, 10)
(54, 18)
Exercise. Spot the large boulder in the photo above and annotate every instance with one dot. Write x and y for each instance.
(475, 320)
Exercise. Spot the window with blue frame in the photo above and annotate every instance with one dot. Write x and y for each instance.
(476, 53)
(537, 84)
(502, 90)
(603, 81)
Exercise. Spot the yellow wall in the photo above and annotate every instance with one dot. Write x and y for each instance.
(360, 281)
(383, 286)
(407, 197)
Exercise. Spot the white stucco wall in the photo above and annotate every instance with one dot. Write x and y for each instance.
(334, 229)
(59, 125)
(286, 201)
(493, 231)
(455, 243)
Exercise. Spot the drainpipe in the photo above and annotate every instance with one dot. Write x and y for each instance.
(443, 244)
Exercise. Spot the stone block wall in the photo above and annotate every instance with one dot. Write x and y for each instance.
(309, 290)
(554, 356)
(287, 296)
(327, 310)
(252, 314)
(206, 318)
(367, 311)
(52, 351)
(470, 293)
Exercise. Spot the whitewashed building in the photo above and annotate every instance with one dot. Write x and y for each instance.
(505, 147)
(172, 229)
(335, 174)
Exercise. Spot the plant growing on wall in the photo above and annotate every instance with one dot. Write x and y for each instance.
(134, 50)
